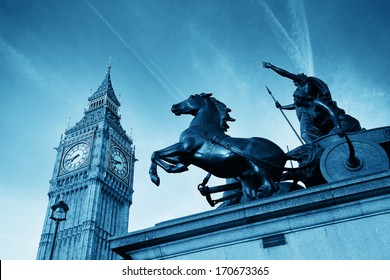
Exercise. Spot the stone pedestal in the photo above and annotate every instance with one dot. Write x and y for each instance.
(349, 219)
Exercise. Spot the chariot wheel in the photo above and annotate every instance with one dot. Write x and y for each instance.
(369, 158)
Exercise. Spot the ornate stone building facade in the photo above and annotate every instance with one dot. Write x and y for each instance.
(93, 174)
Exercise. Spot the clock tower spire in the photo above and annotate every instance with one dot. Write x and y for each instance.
(93, 174)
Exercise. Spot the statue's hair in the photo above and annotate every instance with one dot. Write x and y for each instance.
(302, 78)
(223, 111)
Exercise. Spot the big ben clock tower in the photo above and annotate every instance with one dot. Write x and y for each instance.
(93, 175)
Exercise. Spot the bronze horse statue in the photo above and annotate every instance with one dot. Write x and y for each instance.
(257, 162)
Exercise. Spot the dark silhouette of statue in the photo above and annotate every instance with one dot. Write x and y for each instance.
(317, 113)
(255, 167)
(256, 162)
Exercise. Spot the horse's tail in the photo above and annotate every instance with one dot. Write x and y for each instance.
(308, 156)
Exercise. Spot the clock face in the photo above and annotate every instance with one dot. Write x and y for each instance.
(75, 156)
(118, 162)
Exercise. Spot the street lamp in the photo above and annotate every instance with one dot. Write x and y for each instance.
(58, 214)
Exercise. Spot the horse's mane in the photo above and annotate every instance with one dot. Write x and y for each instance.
(223, 111)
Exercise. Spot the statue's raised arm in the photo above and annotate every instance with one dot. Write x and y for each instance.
(312, 98)
(282, 72)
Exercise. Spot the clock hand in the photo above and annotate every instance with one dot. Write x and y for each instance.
(116, 161)
(76, 156)
(72, 159)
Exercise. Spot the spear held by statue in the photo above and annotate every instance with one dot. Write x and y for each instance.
(284, 115)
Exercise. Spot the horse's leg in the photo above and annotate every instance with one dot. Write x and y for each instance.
(267, 187)
(172, 160)
(153, 174)
(168, 160)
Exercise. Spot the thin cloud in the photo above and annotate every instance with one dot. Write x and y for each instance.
(301, 31)
(21, 63)
(156, 75)
(168, 79)
(296, 43)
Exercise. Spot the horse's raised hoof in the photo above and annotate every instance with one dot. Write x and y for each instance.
(155, 179)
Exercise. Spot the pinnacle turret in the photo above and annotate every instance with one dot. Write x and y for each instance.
(105, 89)
(105, 96)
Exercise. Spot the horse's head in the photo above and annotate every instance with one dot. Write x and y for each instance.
(191, 105)
(214, 112)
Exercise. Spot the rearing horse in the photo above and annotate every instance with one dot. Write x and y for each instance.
(204, 144)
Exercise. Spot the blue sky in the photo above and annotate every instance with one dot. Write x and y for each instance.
(54, 52)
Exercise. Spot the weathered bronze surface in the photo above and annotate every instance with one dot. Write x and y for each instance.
(255, 167)
(256, 162)
(311, 99)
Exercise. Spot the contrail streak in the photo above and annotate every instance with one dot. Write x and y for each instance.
(168, 79)
(139, 57)
(297, 43)
(283, 37)
(301, 31)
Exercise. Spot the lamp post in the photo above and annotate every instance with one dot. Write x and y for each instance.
(58, 215)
